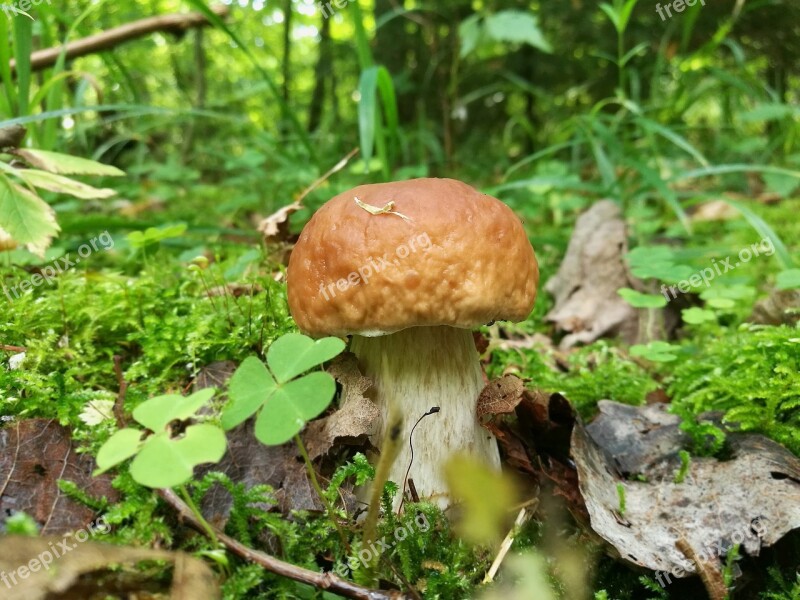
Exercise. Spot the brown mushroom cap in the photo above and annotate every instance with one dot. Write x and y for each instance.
(462, 259)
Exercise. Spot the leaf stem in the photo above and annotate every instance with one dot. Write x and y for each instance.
(205, 524)
(312, 476)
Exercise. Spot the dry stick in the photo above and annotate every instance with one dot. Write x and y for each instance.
(5, 348)
(325, 581)
(335, 169)
(175, 23)
(506, 546)
(709, 572)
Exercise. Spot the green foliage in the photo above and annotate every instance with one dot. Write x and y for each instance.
(782, 587)
(284, 404)
(659, 352)
(683, 471)
(166, 456)
(24, 216)
(596, 372)
(480, 32)
(751, 374)
(639, 300)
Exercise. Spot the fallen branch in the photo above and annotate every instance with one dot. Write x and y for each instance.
(175, 23)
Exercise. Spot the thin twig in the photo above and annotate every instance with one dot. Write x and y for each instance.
(335, 169)
(324, 581)
(506, 546)
(5, 348)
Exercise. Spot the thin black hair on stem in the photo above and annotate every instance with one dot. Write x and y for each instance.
(432, 411)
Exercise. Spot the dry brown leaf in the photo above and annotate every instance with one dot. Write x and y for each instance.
(710, 510)
(82, 570)
(500, 397)
(34, 455)
(357, 418)
(275, 228)
(587, 304)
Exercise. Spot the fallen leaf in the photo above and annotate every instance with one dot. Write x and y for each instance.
(587, 305)
(275, 228)
(87, 569)
(710, 510)
(34, 455)
(355, 421)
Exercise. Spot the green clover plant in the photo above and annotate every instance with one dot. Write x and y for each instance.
(166, 454)
(284, 403)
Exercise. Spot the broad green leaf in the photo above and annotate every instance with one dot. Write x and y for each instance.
(695, 316)
(518, 27)
(157, 413)
(164, 463)
(470, 32)
(293, 354)
(251, 386)
(488, 497)
(62, 185)
(789, 280)
(639, 300)
(64, 164)
(119, 447)
(28, 219)
(291, 406)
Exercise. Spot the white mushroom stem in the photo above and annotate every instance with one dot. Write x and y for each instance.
(414, 370)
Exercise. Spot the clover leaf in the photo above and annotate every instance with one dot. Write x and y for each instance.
(284, 404)
(639, 300)
(164, 458)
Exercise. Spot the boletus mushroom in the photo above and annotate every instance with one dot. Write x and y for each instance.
(408, 269)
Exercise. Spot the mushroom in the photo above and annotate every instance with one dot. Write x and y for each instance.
(408, 269)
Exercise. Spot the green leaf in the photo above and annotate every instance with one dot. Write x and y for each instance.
(470, 32)
(516, 27)
(63, 185)
(695, 316)
(656, 351)
(119, 447)
(286, 411)
(375, 80)
(163, 462)
(789, 280)
(64, 164)
(28, 219)
(251, 386)
(294, 353)
(639, 300)
(154, 235)
(157, 413)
